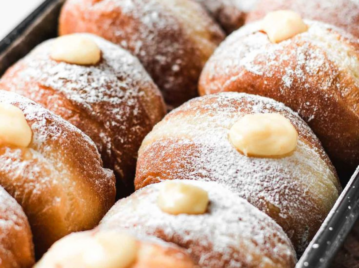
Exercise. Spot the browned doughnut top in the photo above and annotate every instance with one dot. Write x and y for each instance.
(232, 233)
(230, 14)
(192, 143)
(341, 13)
(16, 247)
(315, 73)
(172, 38)
(114, 102)
(58, 180)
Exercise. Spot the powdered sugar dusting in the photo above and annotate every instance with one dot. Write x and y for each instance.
(40, 118)
(115, 102)
(341, 13)
(14, 229)
(48, 130)
(230, 14)
(89, 85)
(216, 5)
(192, 143)
(232, 233)
(315, 73)
(311, 55)
(55, 177)
(165, 35)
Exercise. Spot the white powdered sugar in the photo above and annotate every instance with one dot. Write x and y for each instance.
(115, 102)
(341, 13)
(45, 125)
(313, 49)
(46, 162)
(13, 227)
(314, 72)
(88, 85)
(217, 5)
(192, 143)
(230, 14)
(58, 179)
(232, 233)
(172, 38)
(11, 214)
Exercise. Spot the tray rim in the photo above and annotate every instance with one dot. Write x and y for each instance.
(21, 28)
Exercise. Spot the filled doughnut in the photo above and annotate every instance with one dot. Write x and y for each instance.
(217, 228)
(172, 38)
(309, 66)
(53, 171)
(98, 87)
(230, 14)
(16, 247)
(257, 147)
(113, 249)
(341, 13)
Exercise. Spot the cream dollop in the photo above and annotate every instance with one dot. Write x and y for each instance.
(264, 135)
(282, 24)
(14, 129)
(75, 49)
(105, 249)
(182, 198)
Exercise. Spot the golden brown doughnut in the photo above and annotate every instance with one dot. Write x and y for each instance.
(315, 73)
(230, 14)
(231, 232)
(58, 179)
(341, 13)
(172, 38)
(16, 247)
(193, 143)
(114, 102)
(80, 249)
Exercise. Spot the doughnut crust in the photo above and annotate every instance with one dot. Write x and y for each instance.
(152, 253)
(16, 247)
(231, 233)
(192, 143)
(58, 179)
(230, 14)
(315, 73)
(114, 102)
(341, 13)
(172, 38)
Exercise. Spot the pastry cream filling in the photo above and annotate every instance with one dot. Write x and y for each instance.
(264, 135)
(114, 251)
(105, 249)
(282, 24)
(14, 129)
(75, 49)
(182, 198)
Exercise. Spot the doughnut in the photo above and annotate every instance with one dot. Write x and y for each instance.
(314, 72)
(224, 231)
(98, 87)
(256, 147)
(55, 173)
(113, 249)
(341, 13)
(230, 14)
(172, 38)
(16, 247)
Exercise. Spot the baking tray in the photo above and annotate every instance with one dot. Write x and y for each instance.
(42, 24)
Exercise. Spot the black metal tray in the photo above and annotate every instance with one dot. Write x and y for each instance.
(42, 24)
